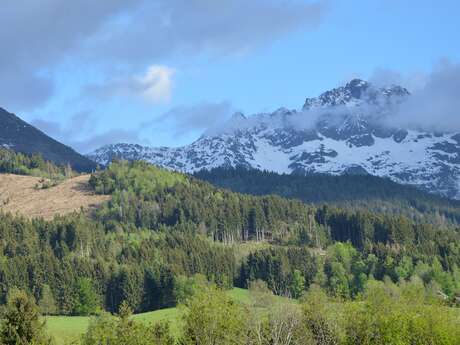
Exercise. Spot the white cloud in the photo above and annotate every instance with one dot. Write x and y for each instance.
(433, 105)
(157, 83)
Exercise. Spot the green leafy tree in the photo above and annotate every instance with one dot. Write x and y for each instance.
(320, 324)
(107, 329)
(214, 318)
(21, 322)
(298, 284)
(87, 302)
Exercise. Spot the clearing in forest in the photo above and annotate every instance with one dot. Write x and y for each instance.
(19, 194)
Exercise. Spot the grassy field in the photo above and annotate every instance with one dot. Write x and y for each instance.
(68, 329)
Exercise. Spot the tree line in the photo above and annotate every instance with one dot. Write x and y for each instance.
(386, 313)
(33, 165)
(352, 192)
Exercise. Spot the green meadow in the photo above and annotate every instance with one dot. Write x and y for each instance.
(68, 329)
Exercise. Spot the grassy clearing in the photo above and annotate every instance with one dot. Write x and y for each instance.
(68, 329)
(18, 194)
(172, 315)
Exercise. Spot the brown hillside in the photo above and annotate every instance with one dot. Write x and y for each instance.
(19, 195)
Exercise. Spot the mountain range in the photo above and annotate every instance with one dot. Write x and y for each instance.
(18, 135)
(347, 130)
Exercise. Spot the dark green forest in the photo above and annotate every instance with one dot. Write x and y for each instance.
(353, 192)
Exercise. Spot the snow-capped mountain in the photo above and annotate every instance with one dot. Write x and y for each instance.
(350, 129)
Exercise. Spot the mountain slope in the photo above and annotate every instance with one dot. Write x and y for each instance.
(20, 136)
(345, 130)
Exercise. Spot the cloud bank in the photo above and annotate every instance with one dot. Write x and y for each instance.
(133, 34)
(436, 105)
(79, 133)
(37, 35)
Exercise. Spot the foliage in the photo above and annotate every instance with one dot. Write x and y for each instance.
(86, 267)
(320, 324)
(144, 196)
(34, 165)
(87, 300)
(387, 313)
(21, 324)
(106, 329)
(186, 287)
(47, 303)
(162, 228)
(386, 317)
(214, 318)
(298, 284)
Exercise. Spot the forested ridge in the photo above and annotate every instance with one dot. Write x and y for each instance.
(354, 192)
(162, 231)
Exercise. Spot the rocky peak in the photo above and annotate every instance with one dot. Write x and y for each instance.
(355, 93)
(356, 88)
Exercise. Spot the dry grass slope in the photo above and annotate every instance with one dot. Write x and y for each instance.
(19, 195)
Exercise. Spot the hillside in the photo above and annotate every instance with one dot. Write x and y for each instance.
(20, 136)
(362, 192)
(19, 195)
(164, 232)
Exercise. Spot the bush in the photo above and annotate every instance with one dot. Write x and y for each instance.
(21, 322)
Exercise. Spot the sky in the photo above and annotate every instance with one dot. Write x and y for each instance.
(161, 72)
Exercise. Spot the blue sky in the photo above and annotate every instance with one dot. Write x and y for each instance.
(160, 72)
